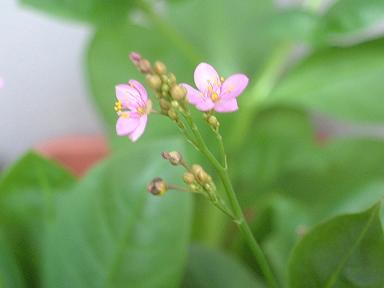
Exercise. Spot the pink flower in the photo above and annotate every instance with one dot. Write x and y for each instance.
(215, 92)
(133, 107)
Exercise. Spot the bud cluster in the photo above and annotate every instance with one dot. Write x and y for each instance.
(171, 95)
(212, 120)
(199, 180)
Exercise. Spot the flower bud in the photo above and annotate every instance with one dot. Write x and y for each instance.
(157, 187)
(135, 58)
(154, 81)
(144, 66)
(165, 88)
(202, 176)
(171, 79)
(164, 104)
(175, 104)
(160, 68)
(174, 157)
(178, 92)
(188, 178)
(172, 114)
(212, 120)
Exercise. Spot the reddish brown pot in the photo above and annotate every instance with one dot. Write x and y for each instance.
(77, 153)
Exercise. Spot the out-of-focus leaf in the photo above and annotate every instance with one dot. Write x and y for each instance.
(110, 232)
(348, 18)
(341, 82)
(10, 274)
(346, 251)
(95, 11)
(27, 195)
(209, 268)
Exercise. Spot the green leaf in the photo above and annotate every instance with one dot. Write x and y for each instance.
(27, 194)
(110, 232)
(209, 268)
(344, 83)
(346, 251)
(349, 18)
(94, 11)
(10, 274)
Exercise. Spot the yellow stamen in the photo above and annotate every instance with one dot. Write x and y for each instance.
(214, 97)
(222, 79)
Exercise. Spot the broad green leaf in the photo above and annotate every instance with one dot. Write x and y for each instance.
(94, 11)
(348, 18)
(346, 251)
(341, 82)
(209, 268)
(10, 274)
(27, 193)
(110, 232)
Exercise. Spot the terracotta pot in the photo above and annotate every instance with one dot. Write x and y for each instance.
(77, 153)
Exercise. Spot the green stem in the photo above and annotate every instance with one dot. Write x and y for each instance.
(221, 147)
(171, 33)
(238, 215)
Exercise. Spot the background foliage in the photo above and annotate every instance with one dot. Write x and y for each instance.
(105, 231)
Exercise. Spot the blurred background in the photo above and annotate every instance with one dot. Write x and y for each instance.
(45, 93)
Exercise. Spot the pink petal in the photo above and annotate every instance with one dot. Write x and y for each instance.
(139, 130)
(229, 105)
(233, 86)
(140, 88)
(124, 126)
(128, 96)
(193, 95)
(205, 76)
(205, 104)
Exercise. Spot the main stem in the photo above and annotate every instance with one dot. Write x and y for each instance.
(239, 218)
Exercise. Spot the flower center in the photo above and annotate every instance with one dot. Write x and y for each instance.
(214, 97)
(118, 106)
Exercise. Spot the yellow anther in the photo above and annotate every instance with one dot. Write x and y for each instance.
(214, 97)
(141, 110)
(222, 79)
(124, 114)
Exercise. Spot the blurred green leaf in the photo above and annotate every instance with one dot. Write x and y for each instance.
(95, 11)
(341, 82)
(10, 274)
(346, 251)
(209, 268)
(350, 17)
(110, 232)
(27, 197)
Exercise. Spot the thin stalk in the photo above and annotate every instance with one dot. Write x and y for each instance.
(238, 215)
(221, 147)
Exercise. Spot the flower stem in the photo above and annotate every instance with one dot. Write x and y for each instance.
(237, 214)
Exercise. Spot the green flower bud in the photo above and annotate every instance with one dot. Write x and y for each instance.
(188, 178)
(157, 187)
(171, 79)
(165, 88)
(212, 120)
(164, 104)
(160, 68)
(178, 92)
(154, 81)
(172, 114)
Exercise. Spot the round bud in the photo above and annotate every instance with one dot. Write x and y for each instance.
(171, 79)
(154, 81)
(164, 88)
(173, 157)
(135, 58)
(172, 114)
(164, 104)
(212, 120)
(144, 66)
(157, 187)
(160, 68)
(188, 178)
(202, 176)
(196, 169)
(178, 92)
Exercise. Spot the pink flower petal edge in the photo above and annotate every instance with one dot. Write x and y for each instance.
(132, 107)
(213, 92)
